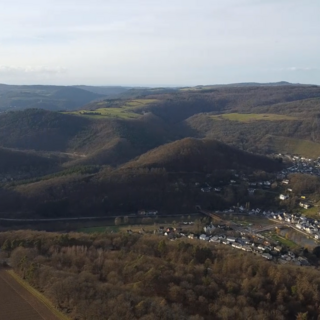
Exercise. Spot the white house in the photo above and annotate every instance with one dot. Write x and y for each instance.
(215, 240)
(204, 237)
(267, 256)
(208, 229)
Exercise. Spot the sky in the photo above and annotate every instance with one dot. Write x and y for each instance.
(159, 43)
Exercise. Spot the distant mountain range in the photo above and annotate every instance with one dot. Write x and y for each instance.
(57, 98)
(52, 97)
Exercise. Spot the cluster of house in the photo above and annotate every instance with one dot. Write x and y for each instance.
(207, 188)
(308, 225)
(302, 165)
(303, 204)
(252, 186)
(258, 244)
(148, 213)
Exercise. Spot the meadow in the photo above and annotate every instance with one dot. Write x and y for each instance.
(296, 146)
(250, 117)
(129, 109)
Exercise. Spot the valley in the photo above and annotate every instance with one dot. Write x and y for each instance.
(154, 201)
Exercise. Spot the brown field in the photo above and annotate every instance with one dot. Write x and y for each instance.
(16, 303)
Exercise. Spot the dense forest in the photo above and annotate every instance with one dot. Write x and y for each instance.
(122, 276)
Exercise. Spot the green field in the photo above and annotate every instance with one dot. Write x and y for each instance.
(129, 109)
(313, 212)
(250, 117)
(278, 238)
(300, 147)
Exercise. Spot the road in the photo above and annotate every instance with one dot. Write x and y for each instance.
(92, 218)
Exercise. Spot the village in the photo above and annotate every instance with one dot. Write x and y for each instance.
(241, 238)
(263, 240)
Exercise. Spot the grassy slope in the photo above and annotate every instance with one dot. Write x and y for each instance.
(248, 117)
(298, 136)
(127, 109)
(295, 146)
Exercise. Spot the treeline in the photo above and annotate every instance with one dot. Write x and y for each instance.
(121, 276)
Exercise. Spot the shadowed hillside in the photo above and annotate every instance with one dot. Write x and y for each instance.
(100, 141)
(39, 130)
(11, 160)
(193, 155)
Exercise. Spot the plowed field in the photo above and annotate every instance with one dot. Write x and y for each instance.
(16, 303)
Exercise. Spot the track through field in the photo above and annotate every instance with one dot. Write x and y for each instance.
(16, 303)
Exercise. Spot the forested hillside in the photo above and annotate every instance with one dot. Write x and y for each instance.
(150, 181)
(124, 154)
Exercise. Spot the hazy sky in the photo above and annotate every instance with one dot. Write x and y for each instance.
(167, 42)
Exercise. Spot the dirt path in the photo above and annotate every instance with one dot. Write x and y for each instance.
(16, 303)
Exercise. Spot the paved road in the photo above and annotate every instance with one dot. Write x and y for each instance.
(91, 218)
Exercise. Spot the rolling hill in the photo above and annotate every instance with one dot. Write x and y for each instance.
(53, 98)
(36, 129)
(194, 155)
(121, 155)
(98, 141)
(146, 182)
